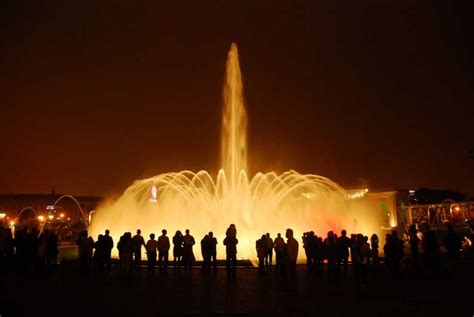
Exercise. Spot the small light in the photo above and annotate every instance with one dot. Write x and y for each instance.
(61, 215)
(12, 223)
(50, 217)
(3, 215)
(41, 218)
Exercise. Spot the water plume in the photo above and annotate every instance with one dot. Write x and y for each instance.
(266, 202)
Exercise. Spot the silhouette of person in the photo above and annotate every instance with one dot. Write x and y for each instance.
(138, 242)
(151, 247)
(309, 246)
(99, 253)
(108, 246)
(20, 247)
(261, 247)
(430, 250)
(213, 250)
(291, 251)
(364, 255)
(9, 246)
(205, 253)
(453, 244)
(387, 249)
(230, 243)
(331, 254)
(163, 250)
(31, 249)
(231, 232)
(178, 241)
(414, 246)
(85, 246)
(269, 250)
(42, 244)
(374, 242)
(188, 255)
(279, 247)
(343, 243)
(52, 244)
(394, 252)
(126, 248)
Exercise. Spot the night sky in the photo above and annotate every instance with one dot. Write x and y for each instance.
(95, 94)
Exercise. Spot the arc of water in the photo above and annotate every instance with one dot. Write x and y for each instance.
(86, 222)
(23, 210)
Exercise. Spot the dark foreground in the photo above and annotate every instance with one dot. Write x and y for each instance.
(66, 292)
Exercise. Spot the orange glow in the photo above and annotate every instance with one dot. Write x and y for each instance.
(266, 202)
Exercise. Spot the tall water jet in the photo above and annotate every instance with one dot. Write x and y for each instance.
(234, 121)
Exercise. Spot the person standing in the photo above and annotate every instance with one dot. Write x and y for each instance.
(85, 246)
(291, 251)
(163, 250)
(414, 246)
(330, 248)
(269, 250)
(230, 243)
(279, 246)
(261, 246)
(212, 250)
(138, 242)
(394, 246)
(126, 248)
(188, 255)
(178, 249)
(343, 243)
(108, 246)
(151, 247)
(99, 254)
(52, 251)
(205, 253)
(453, 244)
(374, 243)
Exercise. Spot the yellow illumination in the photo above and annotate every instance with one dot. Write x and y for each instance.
(41, 218)
(50, 217)
(259, 203)
(2, 215)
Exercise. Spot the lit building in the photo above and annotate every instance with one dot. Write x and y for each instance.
(19, 208)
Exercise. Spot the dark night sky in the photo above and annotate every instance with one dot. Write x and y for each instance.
(369, 93)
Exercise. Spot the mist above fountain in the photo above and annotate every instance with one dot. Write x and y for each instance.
(266, 202)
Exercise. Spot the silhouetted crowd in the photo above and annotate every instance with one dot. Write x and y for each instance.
(33, 251)
(28, 250)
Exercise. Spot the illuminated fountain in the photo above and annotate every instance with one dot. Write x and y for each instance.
(266, 202)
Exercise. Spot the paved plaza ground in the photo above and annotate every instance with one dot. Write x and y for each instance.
(66, 292)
